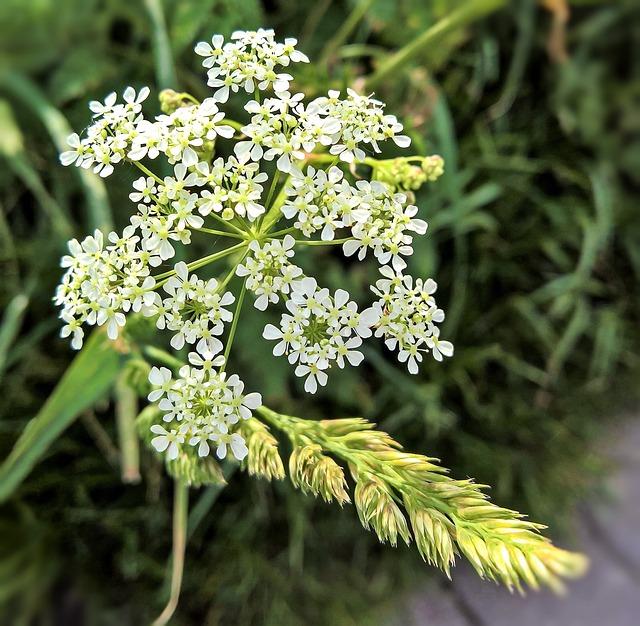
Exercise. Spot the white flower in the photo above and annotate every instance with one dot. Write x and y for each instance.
(439, 348)
(145, 189)
(78, 154)
(314, 376)
(169, 441)
(160, 378)
(235, 442)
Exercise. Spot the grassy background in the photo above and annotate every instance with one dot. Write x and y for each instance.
(534, 239)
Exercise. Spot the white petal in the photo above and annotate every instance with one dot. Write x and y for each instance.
(271, 332)
(252, 400)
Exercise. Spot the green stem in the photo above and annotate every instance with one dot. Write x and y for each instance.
(222, 233)
(231, 273)
(180, 510)
(233, 123)
(274, 214)
(161, 356)
(227, 223)
(148, 172)
(284, 231)
(463, 15)
(194, 265)
(274, 184)
(234, 324)
(316, 242)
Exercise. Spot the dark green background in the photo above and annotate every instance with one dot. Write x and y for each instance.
(534, 240)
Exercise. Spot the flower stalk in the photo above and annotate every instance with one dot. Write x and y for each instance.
(180, 513)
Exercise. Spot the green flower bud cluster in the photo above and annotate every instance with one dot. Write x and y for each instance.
(407, 175)
(433, 167)
(195, 471)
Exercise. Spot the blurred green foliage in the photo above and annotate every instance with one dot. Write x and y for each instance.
(534, 239)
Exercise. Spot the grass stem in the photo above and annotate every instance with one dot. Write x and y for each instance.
(180, 511)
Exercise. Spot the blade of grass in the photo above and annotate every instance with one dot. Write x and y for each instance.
(526, 18)
(463, 15)
(23, 169)
(12, 148)
(25, 90)
(11, 322)
(88, 378)
(343, 33)
(163, 56)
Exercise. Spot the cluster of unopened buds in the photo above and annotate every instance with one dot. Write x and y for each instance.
(267, 186)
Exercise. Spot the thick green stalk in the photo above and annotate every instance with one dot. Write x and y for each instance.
(126, 412)
(463, 15)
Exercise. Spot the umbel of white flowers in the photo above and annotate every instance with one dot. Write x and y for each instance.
(108, 277)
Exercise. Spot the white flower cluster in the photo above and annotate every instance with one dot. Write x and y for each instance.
(250, 61)
(194, 310)
(409, 318)
(108, 277)
(200, 407)
(180, 134)
(379, 219)
(320, 330)
(284, 127)
(269, 271)
(362, 122)
(119, 131)
(102, 283)
(233, 188)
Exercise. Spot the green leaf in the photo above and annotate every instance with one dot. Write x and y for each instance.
(88, 378)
